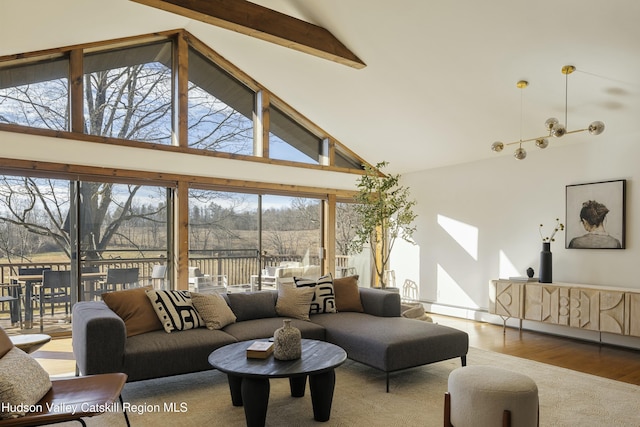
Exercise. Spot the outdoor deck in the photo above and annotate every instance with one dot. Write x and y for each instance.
(238, 272)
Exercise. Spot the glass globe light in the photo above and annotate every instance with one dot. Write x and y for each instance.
(542, 143)
(520, 153)
(596, 128)
(550, 123)
(497, 146)
(558, 130)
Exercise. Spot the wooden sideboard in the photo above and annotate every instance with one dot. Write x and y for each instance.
(595, 308)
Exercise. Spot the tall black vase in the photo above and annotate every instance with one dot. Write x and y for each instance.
(546, 258)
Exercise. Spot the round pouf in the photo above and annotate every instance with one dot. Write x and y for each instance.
(480, 395)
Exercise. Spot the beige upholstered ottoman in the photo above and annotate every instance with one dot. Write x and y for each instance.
(489, 396)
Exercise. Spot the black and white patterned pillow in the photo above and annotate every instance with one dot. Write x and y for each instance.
(175, 310)
(324, 298)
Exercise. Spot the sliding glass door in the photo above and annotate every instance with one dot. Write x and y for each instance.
(224, 242)
(291, 239)
(62, 241)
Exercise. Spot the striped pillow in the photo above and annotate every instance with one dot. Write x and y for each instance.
(175, 310)
(324, 298)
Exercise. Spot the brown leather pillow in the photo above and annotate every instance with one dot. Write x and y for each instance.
(133, 306)
(347, 294)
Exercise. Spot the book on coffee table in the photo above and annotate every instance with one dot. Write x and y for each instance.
(260, 350)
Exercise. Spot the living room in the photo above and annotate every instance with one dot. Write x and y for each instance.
(479, 212)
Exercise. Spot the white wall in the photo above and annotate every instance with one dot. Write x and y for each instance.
(479, 221)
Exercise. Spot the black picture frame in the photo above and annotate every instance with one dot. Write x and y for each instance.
(596, 215)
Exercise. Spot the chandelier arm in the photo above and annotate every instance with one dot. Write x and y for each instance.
(575, 131)
(525, 140)
(541, 137)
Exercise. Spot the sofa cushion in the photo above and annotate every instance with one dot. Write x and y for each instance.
(347, 294)
(135, 309)
(324, 297)
(294, 302)
(175, 310)
(252, 305)
(158, 354)
(392, 343)
(213, 309)
(264, 328)
(23, 382)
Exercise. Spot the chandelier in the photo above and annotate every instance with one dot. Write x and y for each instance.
(554, 128)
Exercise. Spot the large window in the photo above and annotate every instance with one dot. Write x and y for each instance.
(36, 94)
(223, 239)
(128, 93)
(65, 241)
(220, 109)
(288, 140)
(247, 237)
(349, 263)
(135, 92)
(291, 238)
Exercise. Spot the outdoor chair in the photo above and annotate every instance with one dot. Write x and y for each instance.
(55, 289)
(125, 278)
(68, 399)
(158, 276)
(90, 284)
(12, 297)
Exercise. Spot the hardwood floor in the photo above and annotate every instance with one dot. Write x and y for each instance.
(617, 363)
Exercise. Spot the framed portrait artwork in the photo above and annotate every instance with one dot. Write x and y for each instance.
(596, 215)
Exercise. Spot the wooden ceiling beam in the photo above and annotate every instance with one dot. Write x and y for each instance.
(266, 24)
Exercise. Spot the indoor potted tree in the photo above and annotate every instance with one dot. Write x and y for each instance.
(385, 213)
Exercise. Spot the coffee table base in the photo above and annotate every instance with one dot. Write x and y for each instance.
(253, 394)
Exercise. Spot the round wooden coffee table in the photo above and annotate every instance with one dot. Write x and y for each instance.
(249, 378)
(29, 342)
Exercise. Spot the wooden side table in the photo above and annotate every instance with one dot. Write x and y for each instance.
(30, 342)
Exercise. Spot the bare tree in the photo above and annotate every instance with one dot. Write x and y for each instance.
(130, 102)
(346, 226)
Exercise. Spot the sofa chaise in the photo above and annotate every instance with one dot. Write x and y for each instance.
(375, 335)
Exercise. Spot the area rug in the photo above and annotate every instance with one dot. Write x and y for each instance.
(567, 398)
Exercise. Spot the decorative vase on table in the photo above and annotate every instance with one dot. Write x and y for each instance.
(546, 258)
(287, 342)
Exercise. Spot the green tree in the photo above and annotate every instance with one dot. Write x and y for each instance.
(385, 213)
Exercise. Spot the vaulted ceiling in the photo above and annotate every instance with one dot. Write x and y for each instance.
(439, 84)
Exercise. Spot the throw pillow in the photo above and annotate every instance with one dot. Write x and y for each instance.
(347, 294)
(324, 298)
(294, 302)
(23, 382)
(213, 309)
(175, 310)
(252, 305)
(133, 306)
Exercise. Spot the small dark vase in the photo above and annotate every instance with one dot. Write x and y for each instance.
(546, 258)
(530, 272)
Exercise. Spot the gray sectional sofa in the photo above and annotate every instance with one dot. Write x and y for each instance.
(378, 337)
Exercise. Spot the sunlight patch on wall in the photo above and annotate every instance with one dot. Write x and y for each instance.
(507, 269)
(464, 234)
(450, 292)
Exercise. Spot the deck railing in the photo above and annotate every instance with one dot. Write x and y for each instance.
(237, 268)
